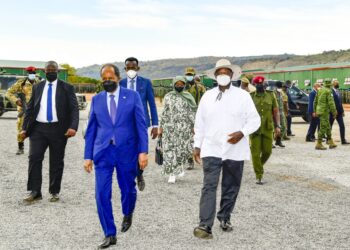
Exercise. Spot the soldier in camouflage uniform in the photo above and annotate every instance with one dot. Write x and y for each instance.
(20, 93)
(285, 101)
(261, 140)
(279, 95)
(194, 85)
(323, 106)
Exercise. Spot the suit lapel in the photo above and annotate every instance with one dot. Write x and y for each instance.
(138, 84)
(105, 107)
(120, 105)
(40, 92)
(58, 94)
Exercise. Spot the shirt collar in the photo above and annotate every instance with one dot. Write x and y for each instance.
(115, 93)
(53, 83)
(129, 79)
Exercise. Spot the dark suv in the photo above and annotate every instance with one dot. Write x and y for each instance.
(300, 100)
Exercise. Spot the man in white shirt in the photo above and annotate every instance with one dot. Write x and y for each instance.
(225, 118)
(52, 116)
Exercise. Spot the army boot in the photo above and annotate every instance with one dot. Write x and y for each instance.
(319, 145)
(286, 138)
(331, 144)
(20, 148)
(279, 142)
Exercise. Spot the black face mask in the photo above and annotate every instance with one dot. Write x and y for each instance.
(260, 88)
(51, 76)
(110, 86)
(336, 86)
(179, 89)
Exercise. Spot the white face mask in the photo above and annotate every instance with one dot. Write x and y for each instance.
(223, 80)
(131, 73)
(189, 78)
(31, 77)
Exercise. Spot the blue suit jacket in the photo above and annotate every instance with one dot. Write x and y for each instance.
(130, 131)
(144, 88)
(338, 102)
(312, 96)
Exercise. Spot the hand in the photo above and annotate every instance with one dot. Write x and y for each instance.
(143, 160)
(70, 132)
(19, 102)
(23, 134)
(235, 137)
(197, 155)
(314, 115)
(88, 166)
(160, 132)
(335, 115)
(277, 132)
(154, 133)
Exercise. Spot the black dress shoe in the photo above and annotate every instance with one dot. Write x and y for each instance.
(345, 142)
(108, 241)
(141, 184)
(32, 197)
(226, 226)
(203, 232)
(308, 139)
(127, 221)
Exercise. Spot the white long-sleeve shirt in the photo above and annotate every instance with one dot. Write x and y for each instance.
(42, 115)
(216, 119)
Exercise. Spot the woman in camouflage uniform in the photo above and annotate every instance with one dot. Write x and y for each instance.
(176, 128)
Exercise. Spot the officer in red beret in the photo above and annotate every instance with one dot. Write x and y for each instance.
(20, 93)
(261, 140)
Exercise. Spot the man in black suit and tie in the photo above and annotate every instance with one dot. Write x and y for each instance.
(340, 111)
(52, 116)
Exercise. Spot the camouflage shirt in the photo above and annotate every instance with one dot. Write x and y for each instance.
(324, 102)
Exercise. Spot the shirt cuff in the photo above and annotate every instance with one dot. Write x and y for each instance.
(155, 126)
(197, 144)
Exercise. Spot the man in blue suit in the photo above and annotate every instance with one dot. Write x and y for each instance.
(314, 121)
(116, 138)
(340, 110)
(144, 87)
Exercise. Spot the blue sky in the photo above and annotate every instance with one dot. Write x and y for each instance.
(96, 31)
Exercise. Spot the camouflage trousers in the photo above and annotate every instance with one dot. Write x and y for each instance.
(19, 128)
(283, 126)
(325, 127)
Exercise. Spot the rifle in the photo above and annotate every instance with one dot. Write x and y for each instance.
(22, 97)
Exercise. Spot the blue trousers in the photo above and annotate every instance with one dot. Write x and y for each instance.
(126, 174)
(340, 121)
(314, 124)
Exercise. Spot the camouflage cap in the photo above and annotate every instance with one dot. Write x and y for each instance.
(179, 79)
(327, 82)
(245, 81)
(190, 71)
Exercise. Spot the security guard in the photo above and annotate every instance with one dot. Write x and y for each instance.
(323, 106)
(193, 85)
(261, 141)
(20, 93)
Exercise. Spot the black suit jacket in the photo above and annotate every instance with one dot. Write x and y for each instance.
(338, 102)
(66, 107)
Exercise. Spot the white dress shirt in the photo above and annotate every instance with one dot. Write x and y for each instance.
(216, 119)
(129, 83)
(42, 115)
(116, 99)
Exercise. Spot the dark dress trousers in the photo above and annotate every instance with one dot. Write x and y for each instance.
(49, 135)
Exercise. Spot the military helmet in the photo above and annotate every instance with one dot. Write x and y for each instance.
(190, 71)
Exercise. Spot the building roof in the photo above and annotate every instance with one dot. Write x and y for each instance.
(23, 64)
(308, 67)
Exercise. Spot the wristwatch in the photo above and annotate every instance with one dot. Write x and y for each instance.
(277, 126)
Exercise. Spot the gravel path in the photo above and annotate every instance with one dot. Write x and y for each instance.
(304, 204)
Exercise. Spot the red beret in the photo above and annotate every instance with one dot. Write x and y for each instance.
(31, 69)
(258, 80)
